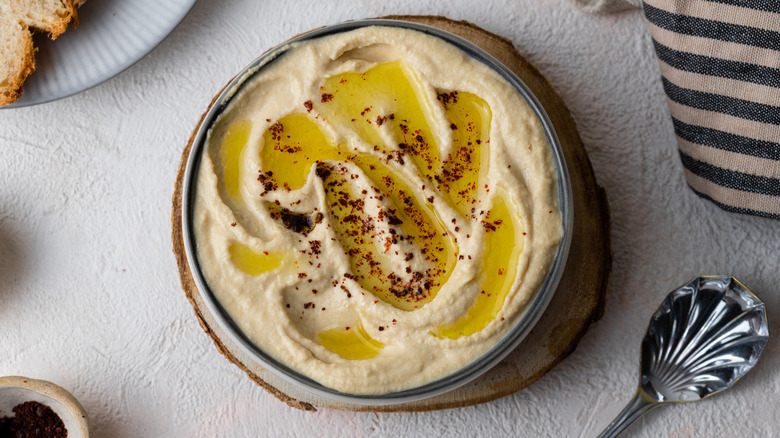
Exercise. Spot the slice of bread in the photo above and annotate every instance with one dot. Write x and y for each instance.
(18, 18)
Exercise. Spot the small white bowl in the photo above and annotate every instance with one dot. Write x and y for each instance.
(15, 390)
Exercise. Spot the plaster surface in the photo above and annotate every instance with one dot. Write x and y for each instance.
(90, 296)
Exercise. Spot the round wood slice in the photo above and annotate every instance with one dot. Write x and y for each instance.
(578, 302)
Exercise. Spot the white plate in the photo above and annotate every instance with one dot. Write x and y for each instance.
(112, 35)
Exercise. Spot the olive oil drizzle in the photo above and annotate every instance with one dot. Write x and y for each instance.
(388, 109)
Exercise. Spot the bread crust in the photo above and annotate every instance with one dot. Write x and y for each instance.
(11, 86)
(70, 17)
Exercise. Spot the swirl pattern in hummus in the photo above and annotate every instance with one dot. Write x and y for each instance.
(374, 209)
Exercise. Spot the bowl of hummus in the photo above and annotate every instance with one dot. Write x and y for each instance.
(376, 211)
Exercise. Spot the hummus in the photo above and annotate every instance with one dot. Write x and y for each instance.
(374, 209)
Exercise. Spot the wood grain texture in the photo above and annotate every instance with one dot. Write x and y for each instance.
(578, 302)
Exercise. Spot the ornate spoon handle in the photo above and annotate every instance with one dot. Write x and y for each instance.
(640, 404)
(704, 337)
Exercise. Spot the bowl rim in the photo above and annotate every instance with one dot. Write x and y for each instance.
(530, 315)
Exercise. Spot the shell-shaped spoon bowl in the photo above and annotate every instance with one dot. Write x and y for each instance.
(704, 337)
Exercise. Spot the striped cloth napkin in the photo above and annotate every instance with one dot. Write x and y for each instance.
(720, 62)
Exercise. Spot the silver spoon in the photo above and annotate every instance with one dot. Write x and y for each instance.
(704, 337)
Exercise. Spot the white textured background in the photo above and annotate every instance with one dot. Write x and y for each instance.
(89, 290)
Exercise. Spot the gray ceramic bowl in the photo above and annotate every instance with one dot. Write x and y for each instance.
(532, 312)
(15, 390)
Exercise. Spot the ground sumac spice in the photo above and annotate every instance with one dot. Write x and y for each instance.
(32, 419)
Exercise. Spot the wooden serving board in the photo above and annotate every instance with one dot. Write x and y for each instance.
(578, 302)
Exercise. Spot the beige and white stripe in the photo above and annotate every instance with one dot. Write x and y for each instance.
(712, 47)
(731, 160)
(720, 60)
(732, 197)
(724, 122)
(727, 87)
(720, 12)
